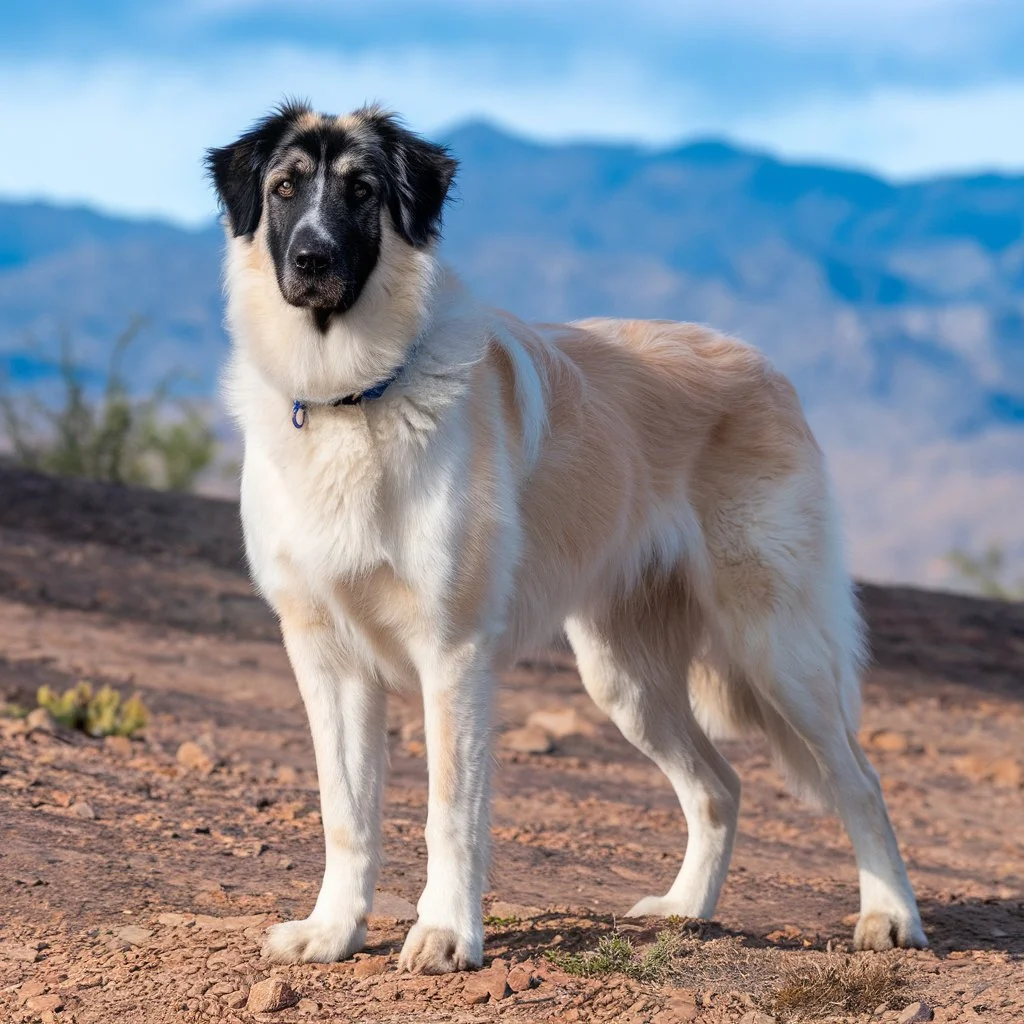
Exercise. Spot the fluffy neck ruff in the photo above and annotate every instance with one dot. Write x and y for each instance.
(358, 349)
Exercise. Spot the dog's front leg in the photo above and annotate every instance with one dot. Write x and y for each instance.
(347, 717)
(448, 935)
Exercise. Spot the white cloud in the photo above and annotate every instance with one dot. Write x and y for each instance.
(129, 135)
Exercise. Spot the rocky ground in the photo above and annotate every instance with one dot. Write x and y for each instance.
(137, 876)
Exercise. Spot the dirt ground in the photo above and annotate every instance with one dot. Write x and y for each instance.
(136, 887)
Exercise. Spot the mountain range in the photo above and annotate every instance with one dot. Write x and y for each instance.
(896, 308)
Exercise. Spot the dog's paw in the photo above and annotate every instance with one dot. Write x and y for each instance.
(439, 951)
(313, 940)
(883, 930)
(662, 906)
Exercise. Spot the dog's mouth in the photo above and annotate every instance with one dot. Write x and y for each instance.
(320, 294)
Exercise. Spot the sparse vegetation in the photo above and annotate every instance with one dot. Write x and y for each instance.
(840, 984)
(157, 441)
(103, 713)
(986, 573)
(615, 954)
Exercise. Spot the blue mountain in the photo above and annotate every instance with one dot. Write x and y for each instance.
(906, 296)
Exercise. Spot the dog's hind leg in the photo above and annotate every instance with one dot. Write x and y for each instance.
(802, 663)
(634, 662)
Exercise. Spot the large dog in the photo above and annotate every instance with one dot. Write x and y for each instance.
(431, 487)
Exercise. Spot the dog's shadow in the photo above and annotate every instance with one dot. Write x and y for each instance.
(975, 924)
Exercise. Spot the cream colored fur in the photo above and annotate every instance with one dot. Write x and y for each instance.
(651, 486)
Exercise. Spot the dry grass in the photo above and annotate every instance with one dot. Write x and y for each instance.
(839, 984)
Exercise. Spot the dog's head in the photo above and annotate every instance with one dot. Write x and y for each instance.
(318, 187)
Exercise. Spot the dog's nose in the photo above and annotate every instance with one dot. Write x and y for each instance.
(311, 259)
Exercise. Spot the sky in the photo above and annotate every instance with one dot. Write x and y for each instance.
(112, 104)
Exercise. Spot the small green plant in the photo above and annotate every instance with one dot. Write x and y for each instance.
(839, 985)
(103, 713)
(986, 573)
(615, 954)
(500, 922)
(157, 441)
(13, 710)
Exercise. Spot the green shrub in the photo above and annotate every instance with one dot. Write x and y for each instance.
(99, 714)
(157, 441)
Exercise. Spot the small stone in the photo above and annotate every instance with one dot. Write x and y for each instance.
(1007, 771)
(370, 966)
(134, 935)
(513, 911)
(476, 990)
(171, 920)
(271, 995)
(236, 1000)
(193, 757)
(41, 720)
(308, 1006)
(83, 810)
(682, 1004)
(53, 1002)
(389, 907)
(35, 987)
(24, 952)
(520, 978)
(888, 740)
(531, 739)
(561, 722)
(120, 746)
(916, 1013)
(287, 775)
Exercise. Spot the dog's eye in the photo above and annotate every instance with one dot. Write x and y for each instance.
(285, 189)
(361, 190)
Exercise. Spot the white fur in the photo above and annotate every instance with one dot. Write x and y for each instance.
(358, 526)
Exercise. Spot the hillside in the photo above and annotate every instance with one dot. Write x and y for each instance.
(137, 881)
(898, 310)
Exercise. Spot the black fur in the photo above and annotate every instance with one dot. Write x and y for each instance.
(325, 222)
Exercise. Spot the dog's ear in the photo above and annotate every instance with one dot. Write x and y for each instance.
(237, 170)
(419, 176)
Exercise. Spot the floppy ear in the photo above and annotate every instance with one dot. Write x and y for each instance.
(237, 170)
(419, 176)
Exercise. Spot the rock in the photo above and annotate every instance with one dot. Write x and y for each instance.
(271, 995)
(1007, 771)
(35, 987)
(25, 952)
(83, 810)
(531, 739)
(172, 920)
(308, 1006)
(370, 966)
(520, 978)
(41, 720)
(53, 1002)
(915, 1013)
(120, 746)
(287, 775)
(561, 722)
(193, 757)
(682, 1004)
(236, 1000)
(888, 740)
(134, 935)
(489, 984)
(228, 924)
(513, 911)
(757, 1017)
(389, 907)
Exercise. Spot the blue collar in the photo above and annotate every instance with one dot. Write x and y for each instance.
(300, 408)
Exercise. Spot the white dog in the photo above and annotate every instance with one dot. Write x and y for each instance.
(432, 488)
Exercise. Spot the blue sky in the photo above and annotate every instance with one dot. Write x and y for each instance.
(113, 103)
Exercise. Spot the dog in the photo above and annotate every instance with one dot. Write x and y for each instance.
(431, 488)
